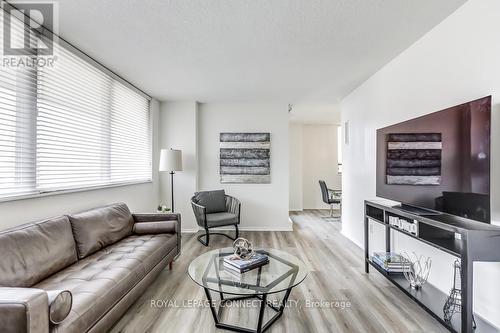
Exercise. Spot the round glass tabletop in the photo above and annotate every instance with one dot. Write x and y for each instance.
(284, 271)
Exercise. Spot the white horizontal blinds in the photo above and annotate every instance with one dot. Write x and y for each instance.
(130, 142)
(17, 121)
(72, 125)
(91, 130)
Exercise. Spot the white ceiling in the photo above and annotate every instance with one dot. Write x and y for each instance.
(290, 51)
(315, 113)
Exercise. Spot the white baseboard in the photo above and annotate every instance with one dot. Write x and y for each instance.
(319, 208)
(287, 228)
(486, 320)
(361, 246)
(190, 231)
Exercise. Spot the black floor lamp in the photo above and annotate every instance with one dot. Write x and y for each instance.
(171, 161)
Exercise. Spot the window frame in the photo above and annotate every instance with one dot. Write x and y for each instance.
(42, 194)
(339, 149)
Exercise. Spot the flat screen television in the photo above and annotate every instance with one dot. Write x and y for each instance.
(439, 162)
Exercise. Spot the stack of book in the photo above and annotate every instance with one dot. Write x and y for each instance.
(390, 262)
(238, 265)
(406, 225)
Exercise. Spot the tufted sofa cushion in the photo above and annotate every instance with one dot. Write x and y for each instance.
(101, 279)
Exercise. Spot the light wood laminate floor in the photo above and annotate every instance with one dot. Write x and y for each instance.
(336, 275)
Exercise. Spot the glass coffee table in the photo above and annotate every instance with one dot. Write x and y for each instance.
(281, 274)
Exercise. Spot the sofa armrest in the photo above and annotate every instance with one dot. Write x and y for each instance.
(156, 222)
(156, 217)
(24, 310)
(159, 227)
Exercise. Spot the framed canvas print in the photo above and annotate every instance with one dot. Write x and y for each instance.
(245, 158)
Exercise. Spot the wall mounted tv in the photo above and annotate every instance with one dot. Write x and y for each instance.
(439, 162)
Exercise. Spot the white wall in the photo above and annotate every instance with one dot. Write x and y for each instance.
(178, 125)
(295, 144)
(320, 162)
(456, 62)
(139, 198)
(313, 156)
(264, 206)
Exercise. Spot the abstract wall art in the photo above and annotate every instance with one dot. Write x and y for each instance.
(414, 159)
(245, 158)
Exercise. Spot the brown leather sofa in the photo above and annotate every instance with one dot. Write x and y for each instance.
(80, 273)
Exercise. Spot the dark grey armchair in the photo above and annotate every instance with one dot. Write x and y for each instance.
(215, 209)
(331, 197)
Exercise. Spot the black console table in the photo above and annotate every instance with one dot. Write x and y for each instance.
(465, 239)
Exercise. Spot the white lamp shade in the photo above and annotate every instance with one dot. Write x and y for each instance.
(170, 160)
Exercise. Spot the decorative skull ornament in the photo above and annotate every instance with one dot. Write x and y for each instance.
(243, 248)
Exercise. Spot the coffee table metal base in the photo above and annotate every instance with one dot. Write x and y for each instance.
(261, 327)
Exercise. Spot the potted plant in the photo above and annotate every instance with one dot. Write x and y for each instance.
(163, 209)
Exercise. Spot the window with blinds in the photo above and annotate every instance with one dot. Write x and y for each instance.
(71, 126)
(17, 121)
(17, 124)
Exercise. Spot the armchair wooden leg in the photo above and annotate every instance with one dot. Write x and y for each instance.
(170, 265)
(237, 231)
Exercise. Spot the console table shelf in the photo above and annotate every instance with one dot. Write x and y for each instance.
(429, 297)
(467, 240)
(451, 246)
